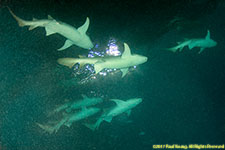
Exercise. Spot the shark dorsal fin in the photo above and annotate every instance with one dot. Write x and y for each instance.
(83, 29)
(208, 35)
(118, 102)
(126, 52)
(50, 17)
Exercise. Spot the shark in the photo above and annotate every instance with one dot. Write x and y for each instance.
(122, 62)
(203, 43)
(85, 102)
(53, 129)
(84, 113)
(74, 36)
(121, 107)
(68, 119)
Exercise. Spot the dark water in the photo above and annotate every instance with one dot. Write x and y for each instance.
(183, 92)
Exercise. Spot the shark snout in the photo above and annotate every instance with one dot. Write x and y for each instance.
(214, 43)
(136, 101)
(145, 59)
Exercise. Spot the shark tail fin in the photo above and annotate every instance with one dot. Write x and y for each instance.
(178, 47)
(20, 21)
(69, 62)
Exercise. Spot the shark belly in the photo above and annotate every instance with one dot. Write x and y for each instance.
(117, 111)
(116, 63)
(65, 30)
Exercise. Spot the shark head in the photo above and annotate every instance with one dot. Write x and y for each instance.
(134, 59)
(135, 101)
(139, 59)
(211, 43)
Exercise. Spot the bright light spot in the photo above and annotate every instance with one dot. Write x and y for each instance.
(103, 73)
(87, 72)
(113, 49)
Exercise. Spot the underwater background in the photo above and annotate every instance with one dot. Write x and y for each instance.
(183, 93)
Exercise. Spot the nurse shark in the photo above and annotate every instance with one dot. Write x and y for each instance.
(68, 119)
(203, 43)
(113, 62)
(74, 36)
(121, 107)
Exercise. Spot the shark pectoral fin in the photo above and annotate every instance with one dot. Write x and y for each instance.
(69, 62)
(67, 44)
(128, 113)
(97, 68)
(124, 71)
(94, 126)
(48, 31)
(32, 27)
(190, 46)
(82, 65)
(46, 128)
(83, 29)
(126, 52)
(90, 126)
(201, 50)
(108, 119)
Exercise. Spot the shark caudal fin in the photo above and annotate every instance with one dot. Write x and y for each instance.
(69, 62)
(178, 47)
(20, 21)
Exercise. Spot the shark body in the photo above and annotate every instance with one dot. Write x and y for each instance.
(203, 43)
(84, 113)
(68, 119)
(85, 102)
(121, 107)
(74, 36)
(114, 62)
